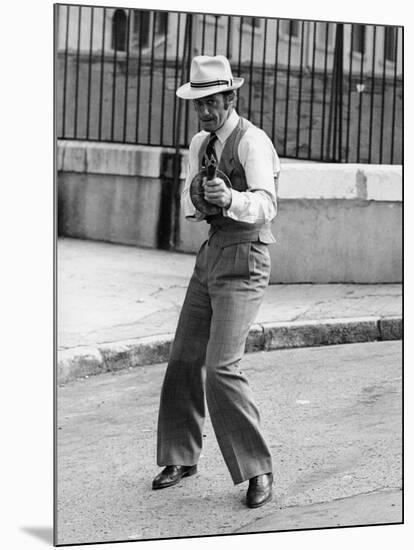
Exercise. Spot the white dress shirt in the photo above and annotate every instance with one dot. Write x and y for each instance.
(261, 165)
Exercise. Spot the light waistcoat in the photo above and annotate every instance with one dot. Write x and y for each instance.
(232, 231)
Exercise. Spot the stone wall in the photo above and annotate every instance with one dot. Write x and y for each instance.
(335, 222)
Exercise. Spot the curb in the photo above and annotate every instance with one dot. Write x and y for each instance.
(84, 361)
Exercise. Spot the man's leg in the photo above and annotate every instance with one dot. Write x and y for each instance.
(182, 405)
(236, 297)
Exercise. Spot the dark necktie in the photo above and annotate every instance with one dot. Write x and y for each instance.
(210, 152)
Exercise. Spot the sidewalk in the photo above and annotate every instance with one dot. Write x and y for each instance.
(118, 307)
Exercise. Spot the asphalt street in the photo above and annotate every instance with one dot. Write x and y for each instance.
(332, 416)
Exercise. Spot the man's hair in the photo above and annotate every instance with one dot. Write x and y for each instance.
(230, 97)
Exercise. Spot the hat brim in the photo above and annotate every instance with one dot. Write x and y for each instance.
(187, 92)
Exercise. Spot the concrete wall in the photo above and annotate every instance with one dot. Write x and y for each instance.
(336, 222)
(109, 193)
(109, 208)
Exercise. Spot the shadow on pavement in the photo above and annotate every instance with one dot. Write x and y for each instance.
(43, 533)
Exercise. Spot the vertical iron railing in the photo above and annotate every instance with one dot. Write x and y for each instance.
(164, 75)
(350, 73)
(65, 72)
(275, 80)
(324, 87)
(185, 75)
(322, 91)
(128, 38)
(102, 75)
(113, 94)
(88, 111)
(177, 59)
(240, 43)
(334, 141)
(302, 44)
(262, 95)
(312, 89)
(384, 65)
(394, 97)
(287, 97)
(77, 71)
(361, 89)
(151, 81)
(372, 96)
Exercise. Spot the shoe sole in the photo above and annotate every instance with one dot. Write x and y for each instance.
(269, 498)
(190, 472)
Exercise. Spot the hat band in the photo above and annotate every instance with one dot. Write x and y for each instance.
(211, 83)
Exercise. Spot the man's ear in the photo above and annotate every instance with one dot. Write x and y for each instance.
(229, 99)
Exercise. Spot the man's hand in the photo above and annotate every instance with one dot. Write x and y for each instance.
(216, 192)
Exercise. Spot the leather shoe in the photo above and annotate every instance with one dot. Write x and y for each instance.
(172, 475)
(259, 491)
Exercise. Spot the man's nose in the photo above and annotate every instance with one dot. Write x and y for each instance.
(203, 110)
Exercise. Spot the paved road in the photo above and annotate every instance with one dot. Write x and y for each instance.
(333, 419)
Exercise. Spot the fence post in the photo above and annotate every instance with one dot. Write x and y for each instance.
(334, 142)
(185, 72)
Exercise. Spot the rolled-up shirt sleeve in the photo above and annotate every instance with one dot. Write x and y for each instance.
(258, 204)
(190, 211)
(262, 166)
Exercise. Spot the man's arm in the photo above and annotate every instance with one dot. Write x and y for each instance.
(190, 211)
(261, 165)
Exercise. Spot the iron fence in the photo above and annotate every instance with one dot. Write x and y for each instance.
(322, 91)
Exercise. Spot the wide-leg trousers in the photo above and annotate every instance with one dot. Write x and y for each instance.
(221, 303)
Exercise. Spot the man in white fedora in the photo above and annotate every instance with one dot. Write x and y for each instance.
(231, 274)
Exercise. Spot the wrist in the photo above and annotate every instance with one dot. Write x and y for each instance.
(229, 201)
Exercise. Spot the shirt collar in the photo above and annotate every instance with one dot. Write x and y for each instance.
(227, 128)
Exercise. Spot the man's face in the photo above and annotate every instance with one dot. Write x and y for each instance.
(211, 112)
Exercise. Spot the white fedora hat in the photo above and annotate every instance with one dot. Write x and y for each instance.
(209, 75)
